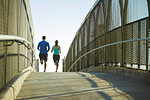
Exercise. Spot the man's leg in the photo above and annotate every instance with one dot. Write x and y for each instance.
(41, 61)
(41, 58)
(45, 60)
(45, 66)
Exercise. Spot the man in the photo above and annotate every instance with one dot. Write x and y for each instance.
(43, 47)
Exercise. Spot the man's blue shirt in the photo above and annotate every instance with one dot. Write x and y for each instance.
(44, 47)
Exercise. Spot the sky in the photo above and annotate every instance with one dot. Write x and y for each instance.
(58, 20)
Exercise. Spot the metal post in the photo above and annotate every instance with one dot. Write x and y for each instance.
(139, 44)
(106, 29)
(18, 56)
(147, 45)
(95, 31)
(147, 35)
(5, 61)
(124, 21)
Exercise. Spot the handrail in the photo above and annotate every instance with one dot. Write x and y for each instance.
(15, 38)
(120, 42)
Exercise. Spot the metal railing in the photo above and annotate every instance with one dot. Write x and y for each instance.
(16, 39)
(112, 34)
(13, 59)
(104, 46)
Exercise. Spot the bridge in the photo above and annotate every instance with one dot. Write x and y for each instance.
(108, 58)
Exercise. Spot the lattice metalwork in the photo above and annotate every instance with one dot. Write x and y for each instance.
(15, 20)
(143, 43)
(112, 22)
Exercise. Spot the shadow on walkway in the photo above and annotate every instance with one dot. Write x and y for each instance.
(135, 89)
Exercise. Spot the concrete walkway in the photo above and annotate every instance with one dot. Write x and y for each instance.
(82, 86)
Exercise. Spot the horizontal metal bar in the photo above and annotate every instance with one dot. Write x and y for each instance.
(15, 38)
(111, 44)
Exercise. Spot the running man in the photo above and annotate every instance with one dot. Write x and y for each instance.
(43, 47)
(56, 56)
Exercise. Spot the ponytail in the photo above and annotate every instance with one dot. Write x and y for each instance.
(56, 43)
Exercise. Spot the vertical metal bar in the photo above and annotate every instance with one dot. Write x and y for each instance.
(122, 31)
(18, 57)
(95, 31)
(147, 35)
(107, 29)
(124, 21)
(78, 51)
(147, 44)
(132, 46)
(88, 38)
(139, 43)
(104, 10)
(5, 62)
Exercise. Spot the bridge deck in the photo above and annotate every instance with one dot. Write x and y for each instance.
(82, 86)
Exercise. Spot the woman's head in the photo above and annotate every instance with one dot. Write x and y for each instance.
(56, 42)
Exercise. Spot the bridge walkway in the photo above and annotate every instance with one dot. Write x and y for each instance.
(82, 86)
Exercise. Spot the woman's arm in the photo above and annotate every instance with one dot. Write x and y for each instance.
(52, 49)
(59, 50)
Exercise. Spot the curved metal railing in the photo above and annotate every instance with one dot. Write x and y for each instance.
(111, 44)
(16, 54)
(109, 24)
(15, 38)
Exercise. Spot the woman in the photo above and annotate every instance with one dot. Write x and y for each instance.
(56, 56)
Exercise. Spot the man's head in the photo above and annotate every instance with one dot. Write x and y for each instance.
(44, 37)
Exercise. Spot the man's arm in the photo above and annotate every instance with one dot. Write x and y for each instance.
(38, 46)
(48, 47)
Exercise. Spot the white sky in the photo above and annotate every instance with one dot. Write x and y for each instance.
(58, 20)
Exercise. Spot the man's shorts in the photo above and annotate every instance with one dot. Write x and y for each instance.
(56, 57)
(43, 56)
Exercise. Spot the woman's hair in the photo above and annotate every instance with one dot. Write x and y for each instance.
(56, 42)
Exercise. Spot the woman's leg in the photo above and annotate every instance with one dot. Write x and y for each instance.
(57, 61)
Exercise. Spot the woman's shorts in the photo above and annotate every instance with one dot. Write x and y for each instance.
(43, 56)
(56, 58)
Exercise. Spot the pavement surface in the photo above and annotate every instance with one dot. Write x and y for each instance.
(82, 86)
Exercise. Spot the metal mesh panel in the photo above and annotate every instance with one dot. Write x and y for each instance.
(128, 46)
(106, 2)
(5, 17)
(12, 21)
(86, 32)
(1, 16)
(82, 37)
(143, 43)
(100, 26)
(115, 15)
(80, 41)
(15, 20)
(26, 57)
(137, 9)
(135, 44)
(2, 73)
(95, 12)
(11, 61)
(76, 47)
(108, 30)
(23, 22)
(91, 34)
(116, 52)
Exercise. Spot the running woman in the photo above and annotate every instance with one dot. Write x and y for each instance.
(56, 56)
